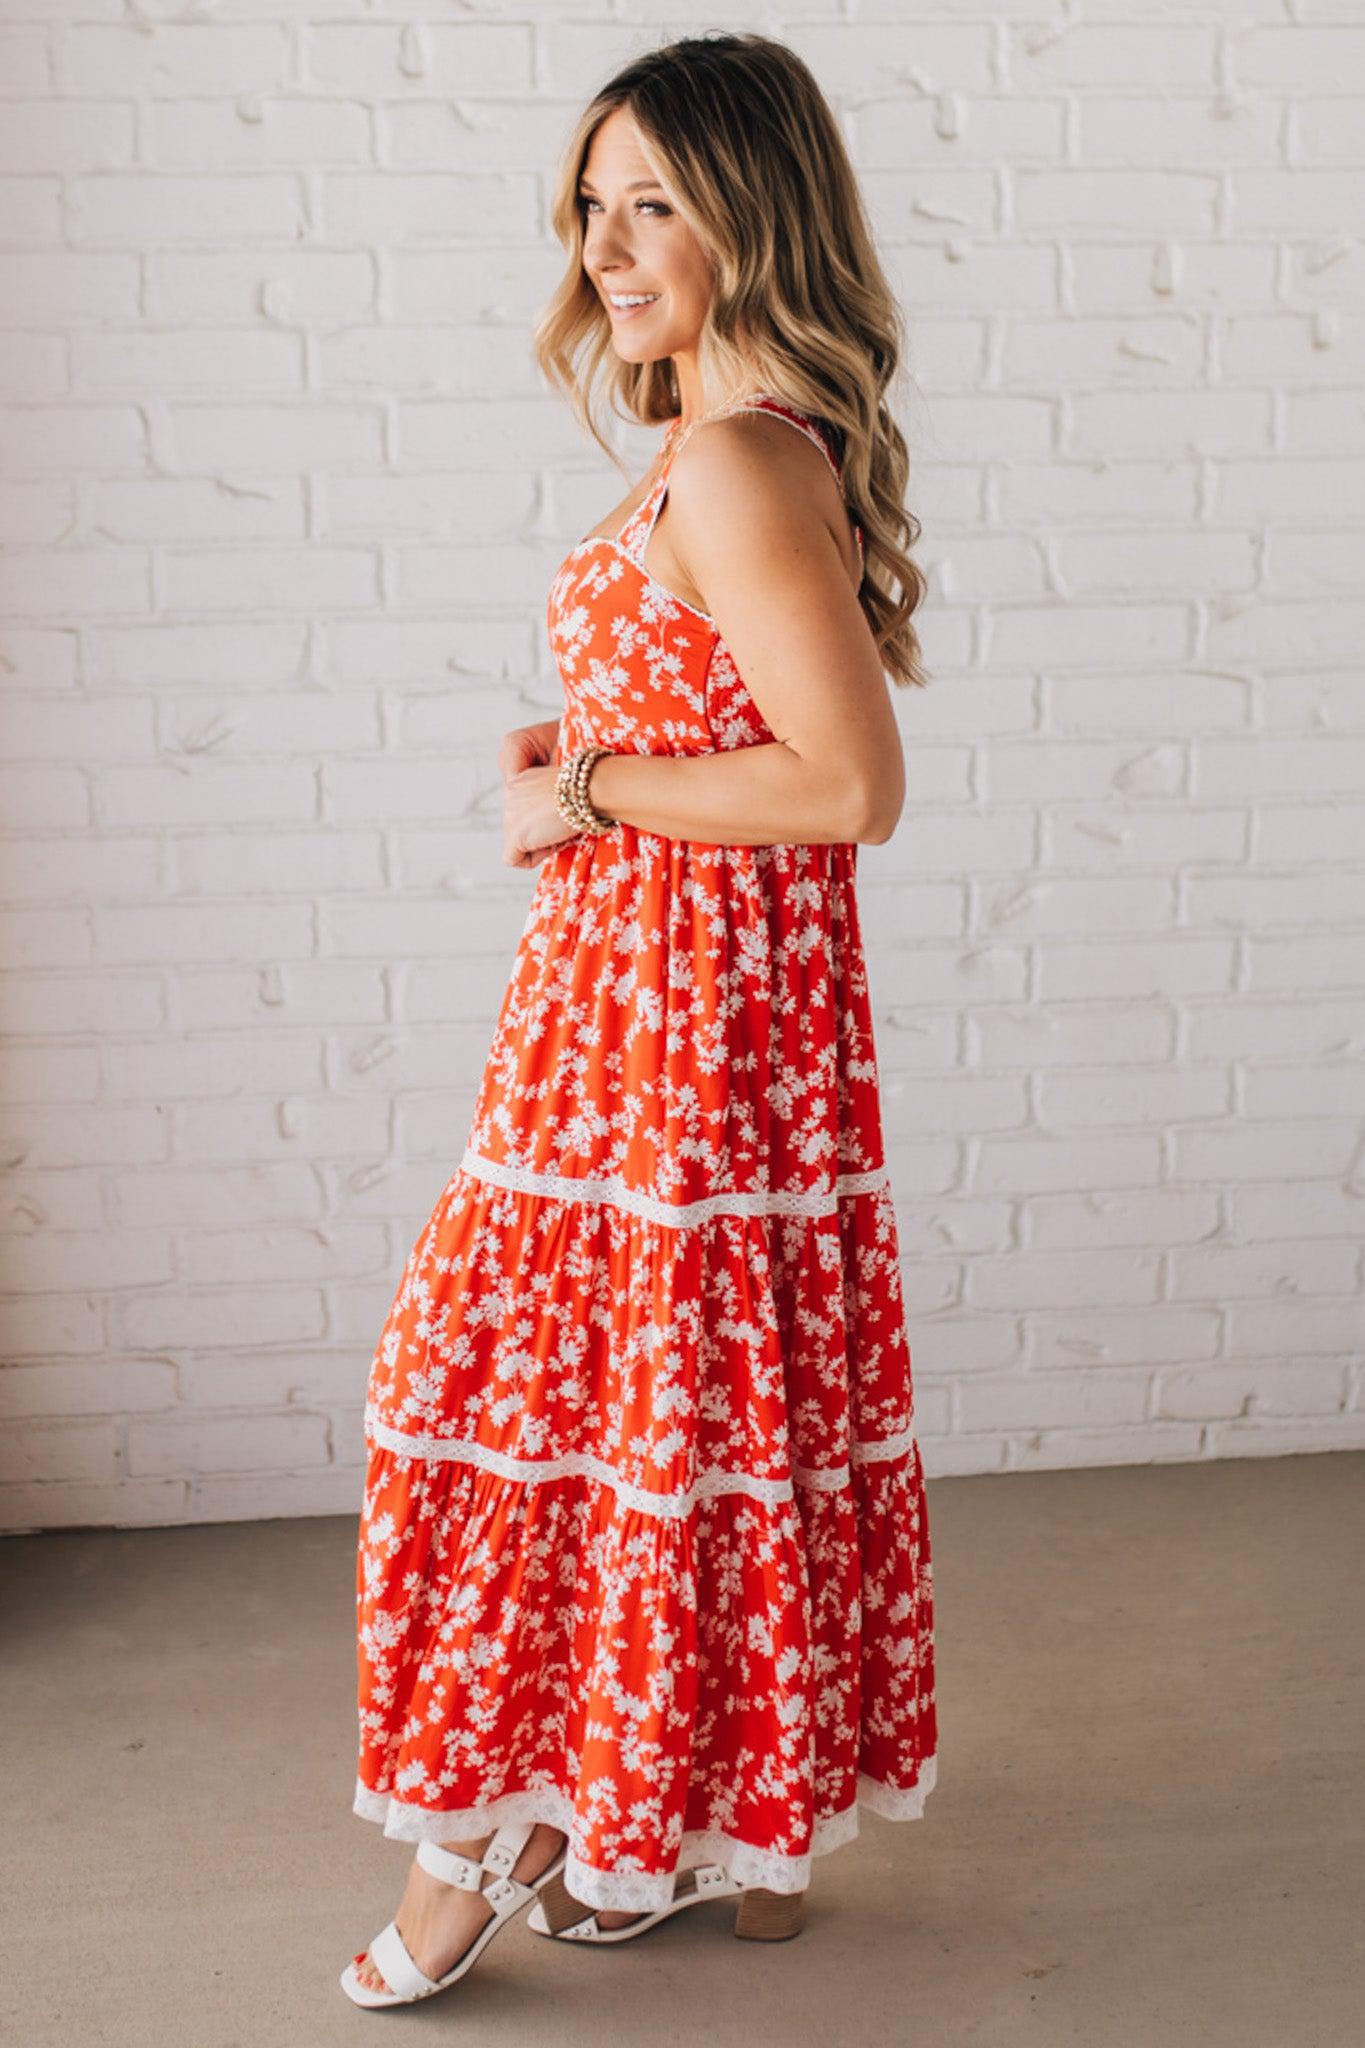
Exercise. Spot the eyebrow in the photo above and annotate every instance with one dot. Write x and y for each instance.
(640, 185)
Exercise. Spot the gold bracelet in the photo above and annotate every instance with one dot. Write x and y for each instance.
(594, 820)
(571, 792)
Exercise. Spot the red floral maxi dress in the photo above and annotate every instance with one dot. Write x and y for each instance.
(644, 1551)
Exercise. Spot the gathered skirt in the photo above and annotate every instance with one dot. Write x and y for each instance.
(644, 1549)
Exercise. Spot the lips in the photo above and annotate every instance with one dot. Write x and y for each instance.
(624, 312)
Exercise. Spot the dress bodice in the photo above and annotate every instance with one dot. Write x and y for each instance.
(644, 671)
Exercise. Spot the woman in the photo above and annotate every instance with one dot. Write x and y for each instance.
(644, 1579)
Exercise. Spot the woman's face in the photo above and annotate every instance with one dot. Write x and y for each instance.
(636, 244)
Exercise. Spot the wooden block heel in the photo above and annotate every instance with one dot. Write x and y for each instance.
(770, 1916)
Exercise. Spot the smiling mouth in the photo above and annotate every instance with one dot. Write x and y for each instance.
(641, 306)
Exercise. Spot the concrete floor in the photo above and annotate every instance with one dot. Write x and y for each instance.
(1148, 1827)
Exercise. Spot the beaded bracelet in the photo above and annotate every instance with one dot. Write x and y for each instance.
(571, 792)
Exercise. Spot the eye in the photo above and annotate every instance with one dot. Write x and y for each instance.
(587, 202)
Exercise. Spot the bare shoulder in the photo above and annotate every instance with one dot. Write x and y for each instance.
(751, 462)
(750, 480)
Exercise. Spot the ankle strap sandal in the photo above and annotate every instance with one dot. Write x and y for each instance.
(506, 1895)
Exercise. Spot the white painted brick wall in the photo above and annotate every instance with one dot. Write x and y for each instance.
(281, 497)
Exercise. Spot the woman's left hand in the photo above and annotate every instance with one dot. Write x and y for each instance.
(532, 821)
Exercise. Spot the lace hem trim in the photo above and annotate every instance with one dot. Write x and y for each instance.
(568, 1187)
(645, 1891)
(583, 1465)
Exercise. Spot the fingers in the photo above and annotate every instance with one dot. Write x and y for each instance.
(528, 746)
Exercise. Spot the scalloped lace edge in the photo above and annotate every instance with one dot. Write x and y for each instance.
(568, 1187)
(644, 1891)
(583, 1465)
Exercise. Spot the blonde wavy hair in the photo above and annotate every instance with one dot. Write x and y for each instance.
(745, 145)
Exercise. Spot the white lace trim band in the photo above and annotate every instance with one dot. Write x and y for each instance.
(583, 1465)
(568, 1187)
(642, 1891)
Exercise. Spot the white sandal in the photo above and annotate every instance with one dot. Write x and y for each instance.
(506, 1895)
(762, 1915)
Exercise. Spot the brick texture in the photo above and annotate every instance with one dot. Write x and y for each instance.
(281, 492)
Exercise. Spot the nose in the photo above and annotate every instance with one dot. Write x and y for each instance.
(604, 244)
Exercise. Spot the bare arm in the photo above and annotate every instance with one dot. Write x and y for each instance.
(746, 522)
(764, 795)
